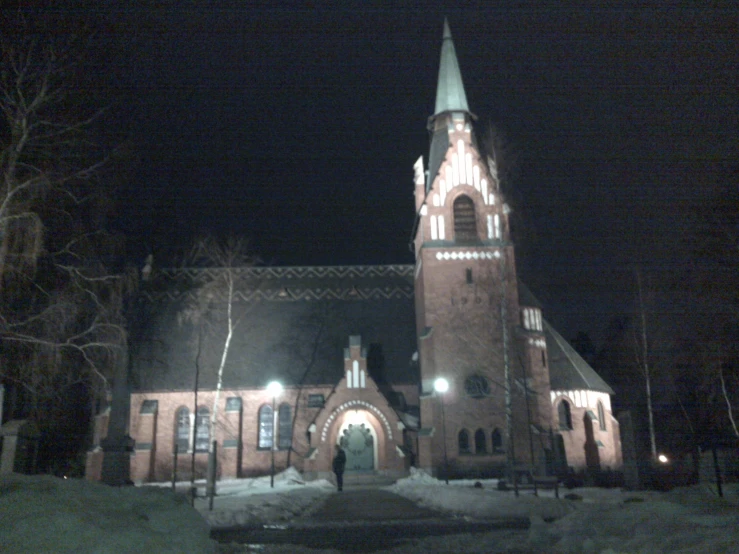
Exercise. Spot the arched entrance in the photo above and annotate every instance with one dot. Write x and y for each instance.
(359, 440)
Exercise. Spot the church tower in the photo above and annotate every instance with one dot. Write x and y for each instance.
(467, 301)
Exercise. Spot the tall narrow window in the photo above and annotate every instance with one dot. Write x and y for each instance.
(183, 430)
(565, 415)
(465, 225)
(601, 416)
(481, 446)
(497, 441)
(468, 276)
(266, 427)
(284, 427)
(202, 430)
(464, 442)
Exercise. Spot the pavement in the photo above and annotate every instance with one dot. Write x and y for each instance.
(369, 504)
(364, 519)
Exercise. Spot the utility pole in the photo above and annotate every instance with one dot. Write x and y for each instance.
(507, 373)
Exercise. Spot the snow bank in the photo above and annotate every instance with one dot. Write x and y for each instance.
(460, 497)
(686, 520)
(45, 514)
(608, 521)
(252, 501)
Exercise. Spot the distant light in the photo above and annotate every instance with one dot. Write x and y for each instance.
(441, 385)
(662, 458)
(274, 389)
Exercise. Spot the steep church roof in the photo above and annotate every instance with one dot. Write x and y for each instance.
(293, 325)
(526, 297)
(567, 369)
(450, 95)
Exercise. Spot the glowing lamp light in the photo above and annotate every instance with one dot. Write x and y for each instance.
(441, 385)
(274, 389)
(663, 459)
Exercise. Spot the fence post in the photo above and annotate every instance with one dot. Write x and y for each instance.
(212, 465)
(174, 465)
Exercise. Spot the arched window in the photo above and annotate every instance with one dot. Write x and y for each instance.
(465, 225)
(497, 441)
(481, 446)
(182, 439)
(565, 415)
(266, 427)
(202, 430)
(285, 427)
(464, 442)
(601, 416)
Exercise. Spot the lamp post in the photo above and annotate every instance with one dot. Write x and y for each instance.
(274, 389)
(441, 385)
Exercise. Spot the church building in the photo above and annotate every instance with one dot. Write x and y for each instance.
(447, 365)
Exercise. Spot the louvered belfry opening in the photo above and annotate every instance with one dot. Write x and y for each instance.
(465, 226)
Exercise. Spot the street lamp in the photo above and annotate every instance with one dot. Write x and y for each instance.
(441, 385)
(274, 389)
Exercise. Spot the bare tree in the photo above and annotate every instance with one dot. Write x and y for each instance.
(641, 351)
(60, 308)
(213, 297)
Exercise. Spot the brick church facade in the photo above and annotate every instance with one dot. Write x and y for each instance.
(359, 348)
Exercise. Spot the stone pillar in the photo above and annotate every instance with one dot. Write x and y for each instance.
(94, 460)
(632, 479)
(20, 447)
(118, 445)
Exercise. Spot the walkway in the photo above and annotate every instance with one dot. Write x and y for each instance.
(369, 504)
(364, 520)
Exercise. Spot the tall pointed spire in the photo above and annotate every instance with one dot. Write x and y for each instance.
(450, 96)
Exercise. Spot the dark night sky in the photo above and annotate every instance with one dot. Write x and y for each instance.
(298, 127)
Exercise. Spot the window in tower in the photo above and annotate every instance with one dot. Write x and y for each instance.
(480, 442)
(601, 416)
(468, 275)
(465, 225)
(565, 415)
(477, 386)
(463, 440)
(497, 441)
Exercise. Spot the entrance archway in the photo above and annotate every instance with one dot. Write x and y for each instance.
(359, 440)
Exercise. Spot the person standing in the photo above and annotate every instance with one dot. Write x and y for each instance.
(338, 466)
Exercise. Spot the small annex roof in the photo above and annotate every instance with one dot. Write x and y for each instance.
(450, 95)
(567, 369)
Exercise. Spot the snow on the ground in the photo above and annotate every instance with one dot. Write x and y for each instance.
(689, 519)
(254, 502)
(46, 514)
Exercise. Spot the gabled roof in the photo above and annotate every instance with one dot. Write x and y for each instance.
(450, 95)
(293, 326)
(567, 369)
